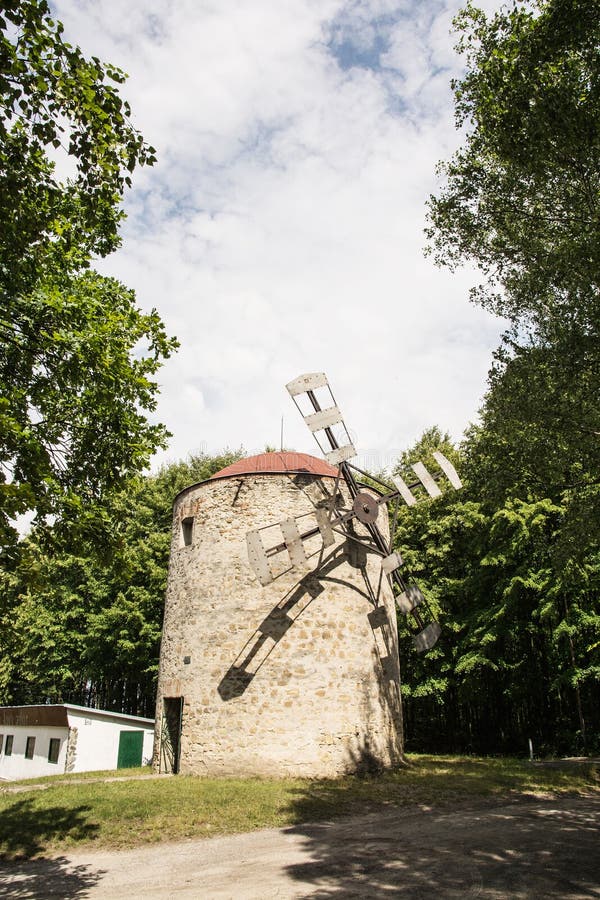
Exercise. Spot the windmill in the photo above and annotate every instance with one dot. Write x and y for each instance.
(314, 399)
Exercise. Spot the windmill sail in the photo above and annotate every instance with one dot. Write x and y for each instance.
(314, 399)
(323, 419)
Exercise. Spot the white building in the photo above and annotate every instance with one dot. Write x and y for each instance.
(51, 740)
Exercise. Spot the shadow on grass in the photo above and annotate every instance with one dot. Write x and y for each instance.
(436, 782)
(28, 829)
(404, 841)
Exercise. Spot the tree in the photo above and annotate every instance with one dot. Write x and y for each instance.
(81, 622)
(521, 195)
(51, 96)
(521, 200)
(538, 430)
(76, 353)
(517, 591)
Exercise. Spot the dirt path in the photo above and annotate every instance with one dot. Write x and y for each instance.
(525, 849)
(14, 787)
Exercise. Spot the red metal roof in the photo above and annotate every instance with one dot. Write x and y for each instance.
(278, 462)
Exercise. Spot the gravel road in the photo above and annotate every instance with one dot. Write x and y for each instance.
(532, 848)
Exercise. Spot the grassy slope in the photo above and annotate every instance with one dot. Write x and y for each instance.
(122, 814)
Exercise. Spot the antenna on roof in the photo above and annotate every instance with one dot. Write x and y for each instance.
(281, 445)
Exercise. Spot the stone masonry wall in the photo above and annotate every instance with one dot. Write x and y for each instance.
(297, 678)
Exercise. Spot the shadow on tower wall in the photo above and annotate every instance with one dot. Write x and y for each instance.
(366, 756)
(275, 626)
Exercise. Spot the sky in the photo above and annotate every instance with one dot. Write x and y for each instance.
(281, 230)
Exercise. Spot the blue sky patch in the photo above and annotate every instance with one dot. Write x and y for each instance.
(357, 40)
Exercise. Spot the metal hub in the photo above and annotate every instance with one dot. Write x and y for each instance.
(365, 508)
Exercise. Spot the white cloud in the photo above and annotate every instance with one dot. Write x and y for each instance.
(281, 230)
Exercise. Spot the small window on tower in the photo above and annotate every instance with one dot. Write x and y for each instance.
(187, 530)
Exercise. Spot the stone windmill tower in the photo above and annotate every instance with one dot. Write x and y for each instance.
(300, 677)
(280, 647)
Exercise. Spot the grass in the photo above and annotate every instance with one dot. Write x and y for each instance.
(122, 814)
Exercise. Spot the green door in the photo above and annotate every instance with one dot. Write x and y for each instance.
(130, 749)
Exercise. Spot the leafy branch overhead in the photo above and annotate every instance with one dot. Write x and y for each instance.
(52, 96)
(521, 199)
(77, 355)
(521, 195)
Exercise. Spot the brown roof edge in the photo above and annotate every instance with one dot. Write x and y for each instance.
(34, 715)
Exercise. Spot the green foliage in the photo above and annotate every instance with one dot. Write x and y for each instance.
(519, 603)
(52, 97)
(81, 614)
(431, 439)
(520, 199)
(521, 195)
(75, 390)
(77, 356)
(540, 421)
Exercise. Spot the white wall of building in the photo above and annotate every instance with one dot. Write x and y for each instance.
(96, 744)
(16, 766)
(89, 743)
